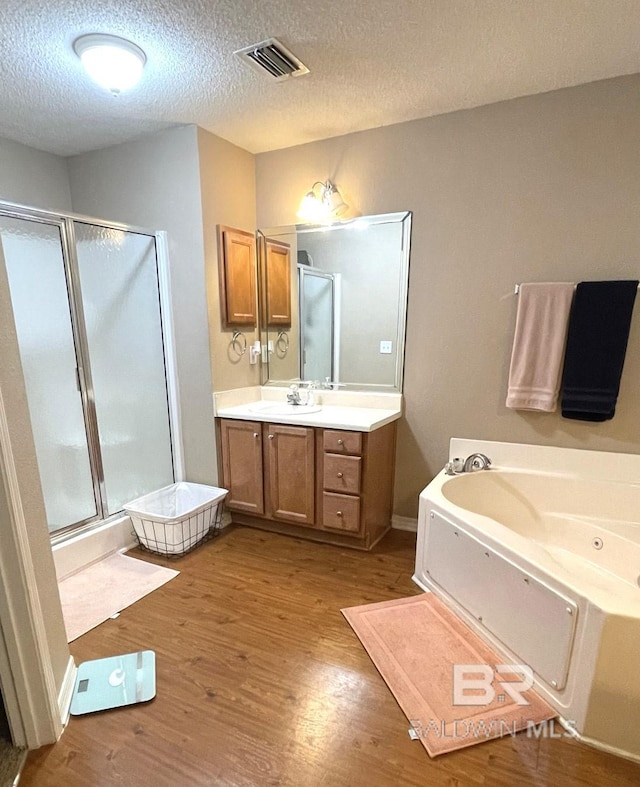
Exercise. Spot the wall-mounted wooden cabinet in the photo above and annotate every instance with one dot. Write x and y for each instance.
(277, 278)
(237, 274)
(325, 484)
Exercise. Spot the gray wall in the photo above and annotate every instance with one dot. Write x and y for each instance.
(154, 182)
(540, 188)
(31, 177)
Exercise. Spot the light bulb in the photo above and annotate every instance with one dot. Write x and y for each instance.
(311, 208)
(322, 203)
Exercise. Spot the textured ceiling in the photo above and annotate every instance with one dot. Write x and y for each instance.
(373, 63)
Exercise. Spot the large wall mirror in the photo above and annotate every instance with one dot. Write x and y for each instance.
(333, 302)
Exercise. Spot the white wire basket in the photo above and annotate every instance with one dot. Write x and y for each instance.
(177, 518)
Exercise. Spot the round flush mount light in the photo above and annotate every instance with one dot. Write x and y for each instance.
(113, 62)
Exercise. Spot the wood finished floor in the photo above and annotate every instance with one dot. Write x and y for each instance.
(260, 681)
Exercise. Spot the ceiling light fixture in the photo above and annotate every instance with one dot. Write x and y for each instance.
(113, 62)
(322, 203)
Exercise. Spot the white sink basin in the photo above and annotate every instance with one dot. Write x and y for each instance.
(278, 408)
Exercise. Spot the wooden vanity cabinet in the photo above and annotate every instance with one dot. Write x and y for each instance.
(269, 469)
(357, 482)
(328, 485)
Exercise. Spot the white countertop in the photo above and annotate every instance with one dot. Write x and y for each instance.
(353, 411)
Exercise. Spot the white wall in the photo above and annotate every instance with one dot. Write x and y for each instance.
(32, 177)
(154, 182)
(543, 188)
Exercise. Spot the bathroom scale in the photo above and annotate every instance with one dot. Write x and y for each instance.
(114, 682)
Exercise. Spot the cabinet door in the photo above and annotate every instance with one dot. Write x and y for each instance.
(278, 289)
(237, 271)
(242, 470)
(290, 458)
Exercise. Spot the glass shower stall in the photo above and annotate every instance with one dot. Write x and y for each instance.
(88, 314)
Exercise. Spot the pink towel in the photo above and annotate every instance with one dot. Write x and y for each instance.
(538, 346)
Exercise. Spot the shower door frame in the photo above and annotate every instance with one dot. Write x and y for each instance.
(66, 225)
(309, 270)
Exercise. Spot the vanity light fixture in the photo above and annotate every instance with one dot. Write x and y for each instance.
(113, 62)
(322, 203)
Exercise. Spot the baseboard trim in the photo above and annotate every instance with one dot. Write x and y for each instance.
(66, 691)
(23, 762)
(404, 523)
(598, 745)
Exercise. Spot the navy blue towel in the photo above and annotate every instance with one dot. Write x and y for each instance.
(596, 345)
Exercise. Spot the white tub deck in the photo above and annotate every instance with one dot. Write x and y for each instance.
(541, 556)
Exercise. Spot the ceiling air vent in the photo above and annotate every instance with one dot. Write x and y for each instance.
(272, 57)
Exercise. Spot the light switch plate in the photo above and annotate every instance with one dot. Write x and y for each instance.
(386, 348)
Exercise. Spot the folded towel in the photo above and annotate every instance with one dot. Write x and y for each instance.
(596, 345)
(538, 346)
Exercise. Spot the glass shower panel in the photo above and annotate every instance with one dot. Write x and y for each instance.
(316, 317)
(120, 297)
(35, 269)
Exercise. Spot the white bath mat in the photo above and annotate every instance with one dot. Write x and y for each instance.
(98, 592)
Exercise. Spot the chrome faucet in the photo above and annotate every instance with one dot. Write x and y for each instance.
(293, 397)
(468, 465)
(476, 462)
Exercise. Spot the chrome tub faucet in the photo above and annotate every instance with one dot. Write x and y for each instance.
(469, 465)
(476, 462)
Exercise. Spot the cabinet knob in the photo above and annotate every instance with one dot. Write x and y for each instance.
(271, 437)
(339, 475)
(338, 513)
(255, 434)
(340, 442)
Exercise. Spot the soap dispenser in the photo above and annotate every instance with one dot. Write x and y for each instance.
(311, 393)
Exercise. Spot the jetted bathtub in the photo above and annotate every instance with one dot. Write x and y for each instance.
(540, 555)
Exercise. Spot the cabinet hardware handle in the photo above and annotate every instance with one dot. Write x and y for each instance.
(339, 475)
(340, 442)
(271, 437)
(338, 513)
(255, 434)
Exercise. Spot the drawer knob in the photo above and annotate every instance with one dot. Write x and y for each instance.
(339, 475)
(338, 513)
(271, 437)
(255, 434)
(340, 442)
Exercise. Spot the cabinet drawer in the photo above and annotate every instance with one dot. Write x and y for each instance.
(342, 442)
(342, 473)
(341, 512)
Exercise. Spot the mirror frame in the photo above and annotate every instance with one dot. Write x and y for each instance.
(402, 217)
